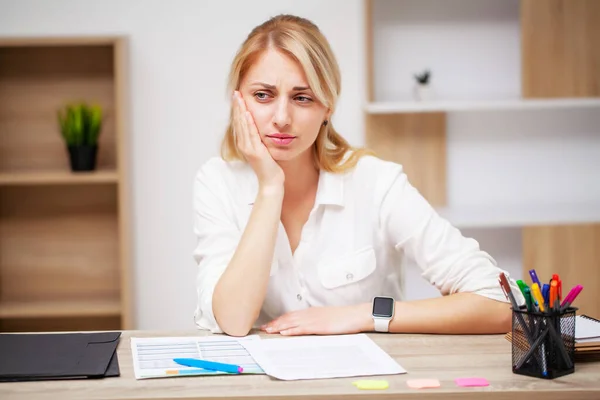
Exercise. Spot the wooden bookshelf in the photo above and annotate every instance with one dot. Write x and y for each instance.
(559, 40)
(60, 308)
(64, 236)
(57, 178)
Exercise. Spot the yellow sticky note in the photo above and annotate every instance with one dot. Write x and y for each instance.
(371, 385)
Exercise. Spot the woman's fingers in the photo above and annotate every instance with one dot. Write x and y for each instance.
(251, 138)
(239, 122)
(253, 131)
(284, 322)
(298, 330)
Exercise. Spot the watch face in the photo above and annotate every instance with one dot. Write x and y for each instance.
(383, 307)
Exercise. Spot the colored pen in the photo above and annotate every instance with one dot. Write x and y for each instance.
(508, 291)
(521, 321)
(573, 293)
(210, 365)
(546, 294)
(556, 277)
(537, 295)
(553, 294)
(534, 277)
(522, 286)
(569, 296)
(528, 301)
(559, 289)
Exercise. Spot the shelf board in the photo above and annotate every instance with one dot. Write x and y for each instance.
(62, 308)
(36, 41)
(518, 216)
(57, 178)
(393, 107)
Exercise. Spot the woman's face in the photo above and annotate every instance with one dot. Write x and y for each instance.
(285, 110)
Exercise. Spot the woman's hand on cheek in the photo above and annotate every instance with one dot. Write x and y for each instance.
(251, 146)
(322, 321)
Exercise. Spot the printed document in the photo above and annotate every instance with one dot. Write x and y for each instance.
(153, 357)
(316, 357)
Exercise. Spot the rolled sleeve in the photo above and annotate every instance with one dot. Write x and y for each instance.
(217, 237)
(448, 260)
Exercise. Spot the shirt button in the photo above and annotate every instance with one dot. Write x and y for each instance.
(299, 297)
(349, 277)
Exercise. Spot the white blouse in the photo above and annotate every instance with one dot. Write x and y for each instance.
(362, 225)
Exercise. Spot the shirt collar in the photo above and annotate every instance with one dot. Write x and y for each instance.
(329, 192)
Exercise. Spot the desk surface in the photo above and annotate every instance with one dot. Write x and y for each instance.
(423, 356)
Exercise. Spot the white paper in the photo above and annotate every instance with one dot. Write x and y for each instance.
(153, 357)
(316, 357)
(586, 329)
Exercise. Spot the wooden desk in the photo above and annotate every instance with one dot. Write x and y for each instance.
(423, 356)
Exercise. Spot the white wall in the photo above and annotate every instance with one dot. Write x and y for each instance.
(180, 55)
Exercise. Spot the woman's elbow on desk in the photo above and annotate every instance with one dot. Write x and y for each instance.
(237, 331)
(233, 324)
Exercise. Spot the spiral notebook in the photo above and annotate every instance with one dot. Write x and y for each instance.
(587, 329)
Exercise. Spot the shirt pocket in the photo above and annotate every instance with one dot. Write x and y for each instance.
(349, 270)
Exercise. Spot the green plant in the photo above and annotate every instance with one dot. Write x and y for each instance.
(80, 123)
(423, 78)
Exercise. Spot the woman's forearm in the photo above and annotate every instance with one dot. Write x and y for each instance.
(247, 274)
(460, 313)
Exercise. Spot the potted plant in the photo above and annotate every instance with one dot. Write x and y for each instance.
(422, 89)
(80, 126)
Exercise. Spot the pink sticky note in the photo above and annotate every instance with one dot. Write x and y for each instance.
(423, 383)
(471, 382)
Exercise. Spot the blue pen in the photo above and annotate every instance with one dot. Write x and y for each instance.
(534, 277)
(546, 293)
(210, 365)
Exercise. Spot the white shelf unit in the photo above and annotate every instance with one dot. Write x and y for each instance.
(518, 216)
(511, 162)
(391, 107)
(471, 47)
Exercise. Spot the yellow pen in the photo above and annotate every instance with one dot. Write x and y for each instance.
(537, 294)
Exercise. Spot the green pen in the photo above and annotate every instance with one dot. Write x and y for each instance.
(522, 286)
(528, 300)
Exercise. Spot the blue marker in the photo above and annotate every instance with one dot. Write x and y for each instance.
(210, 365)
(546, 294)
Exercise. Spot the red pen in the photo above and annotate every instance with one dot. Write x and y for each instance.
(553, 303)
(559, 286)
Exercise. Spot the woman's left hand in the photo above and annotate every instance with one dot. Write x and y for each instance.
(322, 321)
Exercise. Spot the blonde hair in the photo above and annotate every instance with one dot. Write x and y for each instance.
(302, 40)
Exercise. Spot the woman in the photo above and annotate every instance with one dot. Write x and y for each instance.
(298, 233)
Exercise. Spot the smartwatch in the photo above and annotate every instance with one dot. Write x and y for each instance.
(383, 312)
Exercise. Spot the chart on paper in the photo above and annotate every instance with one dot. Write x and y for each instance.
(153, 357)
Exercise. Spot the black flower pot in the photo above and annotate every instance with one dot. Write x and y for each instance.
(83, 157)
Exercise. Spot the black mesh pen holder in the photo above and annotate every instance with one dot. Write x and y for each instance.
(543, 344)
